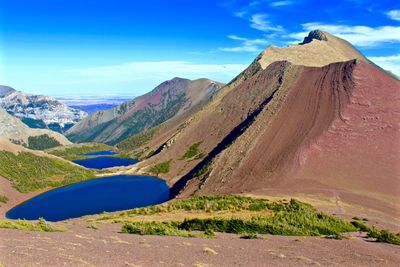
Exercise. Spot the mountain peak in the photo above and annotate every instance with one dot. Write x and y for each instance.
(314, 34)
(328, 49)
(6, 90)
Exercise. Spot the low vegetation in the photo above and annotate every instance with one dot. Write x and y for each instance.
(42, 142)
(136, 141)
(41, 225)
(193, 151)
(162, 167)
(231, 214)
(28, 172)
(76, 152)
(3, 199)
(380, 235)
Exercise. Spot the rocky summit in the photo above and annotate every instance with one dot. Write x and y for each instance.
(39, 111)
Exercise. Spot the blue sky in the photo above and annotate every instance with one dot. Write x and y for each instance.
(121, 47)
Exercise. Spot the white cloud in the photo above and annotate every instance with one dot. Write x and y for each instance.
(362, 36)
(394, 14)
(158, 71)
(260, 22)
(281, 3)
(247, 45)
(391, 63)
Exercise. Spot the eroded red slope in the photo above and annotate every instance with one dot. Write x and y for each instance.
(337, 132)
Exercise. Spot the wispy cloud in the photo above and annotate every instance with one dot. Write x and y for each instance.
(260, 22)
(247, 45)
(391, 63)
(281, 3)
(159, 71)
(362, 36)
(394, 14)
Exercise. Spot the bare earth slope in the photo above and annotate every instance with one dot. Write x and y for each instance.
(169, 99)
(13, 128)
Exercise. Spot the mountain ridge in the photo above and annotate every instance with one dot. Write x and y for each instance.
(39, 111)
(169, 99)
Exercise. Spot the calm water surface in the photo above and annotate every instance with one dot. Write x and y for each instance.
(92, 197)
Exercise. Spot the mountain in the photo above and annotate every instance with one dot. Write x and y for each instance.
(38, 111)
(172, 98)
(14, 130)
(314, 119)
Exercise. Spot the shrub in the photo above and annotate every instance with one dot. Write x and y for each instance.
(192, 151)
(3, 199)
(42, 142)
(41, 225)
(154, 228)
(162, 167)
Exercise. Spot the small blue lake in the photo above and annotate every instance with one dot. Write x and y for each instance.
(92, 197)
(105, 162)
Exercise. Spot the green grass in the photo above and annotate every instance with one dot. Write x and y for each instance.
(3, 199)
(384, 236)
(192, 151)
(41, 225)
(285, 218)
(136, 141)
(162, 167)
(206, 204)
(42, 142)
(155, 228)
(28, 172)
(75, 153)
(210, 204)
(297, 219)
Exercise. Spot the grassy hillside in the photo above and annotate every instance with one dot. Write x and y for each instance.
(28, 172)
(76, 152)
(129, 147)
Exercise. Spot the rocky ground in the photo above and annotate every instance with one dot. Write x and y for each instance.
(82, 246)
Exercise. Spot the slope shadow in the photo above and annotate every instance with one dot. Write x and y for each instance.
(226, 142)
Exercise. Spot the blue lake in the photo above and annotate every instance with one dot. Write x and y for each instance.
(92, 197)
(101, 153)
(105, 162)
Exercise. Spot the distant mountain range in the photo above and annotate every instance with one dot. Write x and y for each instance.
(38, 111)
(12, 129)
(176, 97)
(92, 104)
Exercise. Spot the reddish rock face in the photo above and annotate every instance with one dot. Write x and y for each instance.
(336, 132)
(331, 130)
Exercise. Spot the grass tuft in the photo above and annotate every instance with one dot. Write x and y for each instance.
(41, 225)
(162, 167)
(192, 151)
(3, 199)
